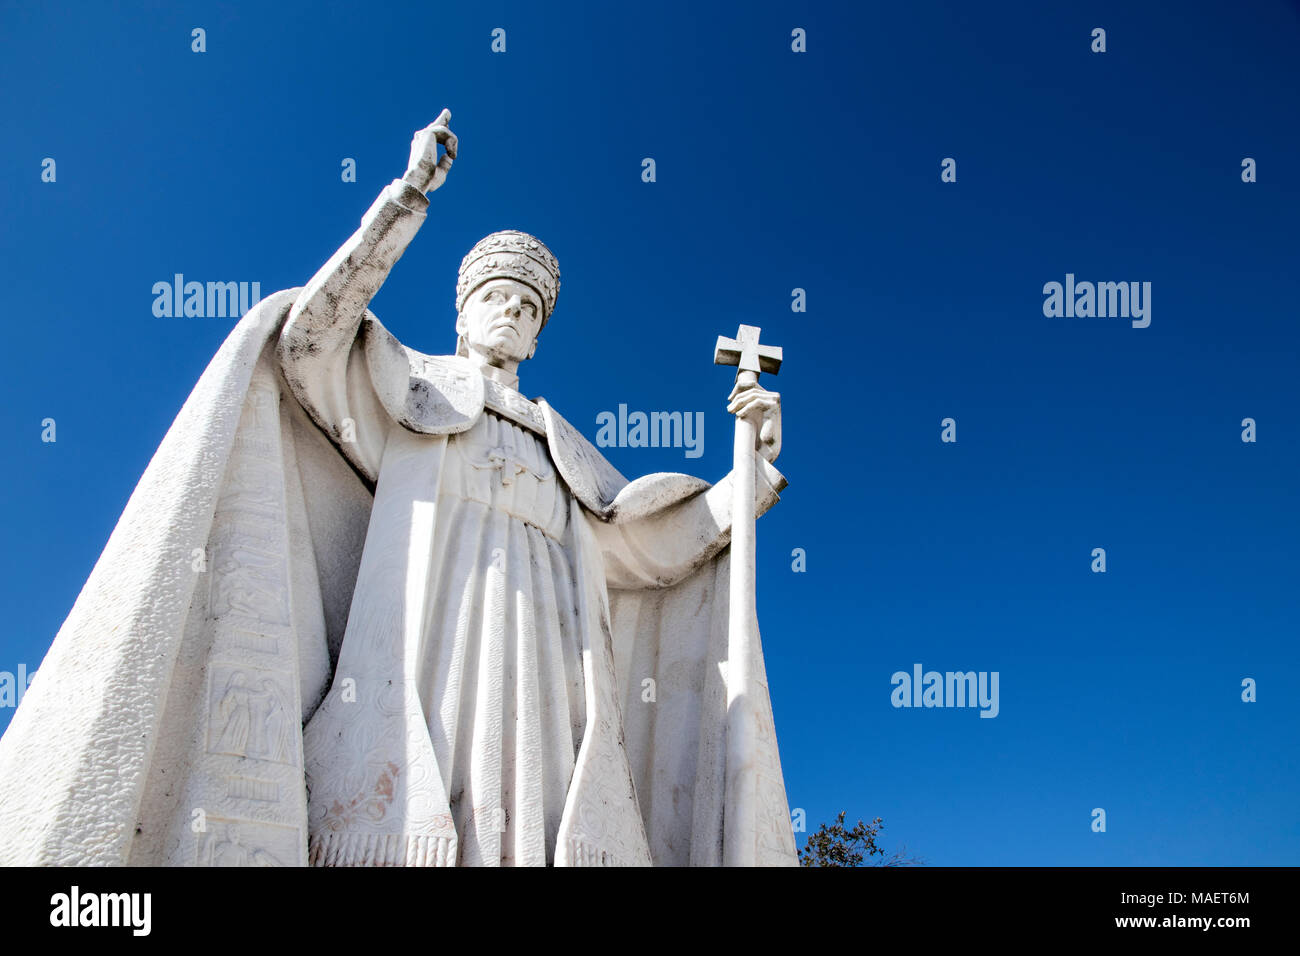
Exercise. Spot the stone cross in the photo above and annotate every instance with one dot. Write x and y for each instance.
(509, 465)
(744, 352)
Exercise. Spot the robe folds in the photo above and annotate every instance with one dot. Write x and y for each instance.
(425, 643)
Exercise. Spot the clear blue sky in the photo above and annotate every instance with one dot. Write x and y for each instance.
(775, 170)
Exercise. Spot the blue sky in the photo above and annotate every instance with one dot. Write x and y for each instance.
(775, 170)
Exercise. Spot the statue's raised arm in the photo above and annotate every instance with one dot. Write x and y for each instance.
(322, 325)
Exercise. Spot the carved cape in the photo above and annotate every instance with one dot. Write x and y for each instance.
(225, 588)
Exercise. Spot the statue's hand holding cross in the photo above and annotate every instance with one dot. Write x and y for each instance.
(748, 399)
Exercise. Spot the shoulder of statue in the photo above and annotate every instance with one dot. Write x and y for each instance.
(430, 394)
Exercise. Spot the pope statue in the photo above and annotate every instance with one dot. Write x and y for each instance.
(371, 607)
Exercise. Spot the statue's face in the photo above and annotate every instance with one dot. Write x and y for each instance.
(500, 320)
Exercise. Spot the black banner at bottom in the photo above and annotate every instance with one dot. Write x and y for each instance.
(256, 907)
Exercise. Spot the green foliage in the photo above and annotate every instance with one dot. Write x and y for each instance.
(836, 845)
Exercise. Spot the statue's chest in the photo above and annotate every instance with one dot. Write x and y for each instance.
(508, 468)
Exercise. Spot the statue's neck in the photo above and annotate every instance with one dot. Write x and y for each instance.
(501, 376)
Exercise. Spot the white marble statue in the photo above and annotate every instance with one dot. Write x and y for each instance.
(372, 607)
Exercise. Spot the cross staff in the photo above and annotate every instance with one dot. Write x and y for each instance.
(740, 820)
